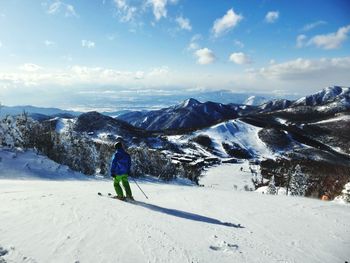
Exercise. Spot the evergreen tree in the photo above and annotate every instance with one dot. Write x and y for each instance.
(345, 196)
(346, 192)
(271, 188)
(298, 182)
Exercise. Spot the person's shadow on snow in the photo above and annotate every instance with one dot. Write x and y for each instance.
(186, 215)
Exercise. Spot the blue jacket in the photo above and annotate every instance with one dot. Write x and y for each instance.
(121, 163)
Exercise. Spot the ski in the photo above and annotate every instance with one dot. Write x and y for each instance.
(109, 195)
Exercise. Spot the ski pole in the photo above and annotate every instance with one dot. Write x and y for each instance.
(139, 187)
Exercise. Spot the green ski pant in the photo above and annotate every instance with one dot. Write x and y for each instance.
(124, 180)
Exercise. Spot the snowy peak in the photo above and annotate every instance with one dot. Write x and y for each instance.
(190, 103)
(255, 101)
(275, 105)
(327, 95)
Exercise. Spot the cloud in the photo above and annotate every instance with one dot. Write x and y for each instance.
(159, 71)
(159, 8)
(205, 56)
(272, 16)
(311, 26)
(301, 75)
(33, 75)
(87, 43)
(0, 44)
(54, 8)
(70, 11)
(139, 74)
(226, 23)
(240, 58)
(29, 67)
(332, 40)
(184, 23)
(301, 41)
(58, 6)
(303, 69)
(126, 12)
(193, 45)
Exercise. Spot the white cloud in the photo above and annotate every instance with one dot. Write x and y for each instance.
(226, 23)
(58, 6)
(29, 67)
(205, 56)
(300, 75)
(193, 45)
(126, 12)
(159, 8)
(301, 41)
(159, 71)
(332, 40)
(272, 16)
(130, 10)
(70, 11)
(184, 23)
(54, 7)
(0, 44)
(87, 43)
(311, 26)
(304, 69)
(49, 43)
(240, 58)
(139, 74)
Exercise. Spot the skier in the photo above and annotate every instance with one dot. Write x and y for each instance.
(120, 169)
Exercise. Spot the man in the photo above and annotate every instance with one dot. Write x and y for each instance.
(120, 170)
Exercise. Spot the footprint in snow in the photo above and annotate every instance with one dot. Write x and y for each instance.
(224, 247)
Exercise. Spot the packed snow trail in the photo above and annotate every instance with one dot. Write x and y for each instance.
(49, 213)
(66, 221)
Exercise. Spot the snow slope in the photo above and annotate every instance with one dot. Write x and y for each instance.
(234, 131)
(66, 221)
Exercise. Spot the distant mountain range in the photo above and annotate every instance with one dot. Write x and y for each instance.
(192, 114)
(38, 113)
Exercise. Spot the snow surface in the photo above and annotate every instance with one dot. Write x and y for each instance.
(255, 101)
(243, 134)
(60, 220)
(233, 131)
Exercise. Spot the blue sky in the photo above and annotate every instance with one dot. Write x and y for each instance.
(116, 46)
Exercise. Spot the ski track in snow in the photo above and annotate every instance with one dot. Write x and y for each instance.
(45, 220)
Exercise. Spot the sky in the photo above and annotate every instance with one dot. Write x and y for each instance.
(53, 50)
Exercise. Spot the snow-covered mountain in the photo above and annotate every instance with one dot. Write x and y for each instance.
(274, 105)
(325, 96)
(190, 114)
(255, 100)
(228, 139)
